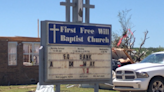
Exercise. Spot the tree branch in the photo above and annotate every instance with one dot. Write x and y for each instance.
(143, 42)
(132, 44)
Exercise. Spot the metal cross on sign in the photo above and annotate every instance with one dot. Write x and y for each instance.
(68, 5)
(87, 12)
(77, 11)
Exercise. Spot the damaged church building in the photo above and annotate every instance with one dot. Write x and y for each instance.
(19, 60)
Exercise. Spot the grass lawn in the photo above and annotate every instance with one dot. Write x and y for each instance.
(31, 88)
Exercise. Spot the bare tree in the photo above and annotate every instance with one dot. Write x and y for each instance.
(128, 40)
(139, 54)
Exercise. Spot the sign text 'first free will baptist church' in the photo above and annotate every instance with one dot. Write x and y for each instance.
(78, 34)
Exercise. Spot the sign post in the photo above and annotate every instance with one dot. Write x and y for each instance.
(80, 11)
(75, 52)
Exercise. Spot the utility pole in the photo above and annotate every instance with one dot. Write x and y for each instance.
(38, 28)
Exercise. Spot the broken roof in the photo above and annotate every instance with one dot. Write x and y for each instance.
(19, 38)
(119, 53)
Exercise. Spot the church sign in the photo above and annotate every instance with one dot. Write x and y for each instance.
(75, 53)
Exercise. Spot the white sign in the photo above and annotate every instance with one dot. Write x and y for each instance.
(75, 53)
(74, 62)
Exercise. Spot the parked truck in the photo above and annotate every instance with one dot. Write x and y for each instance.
(148, 75)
